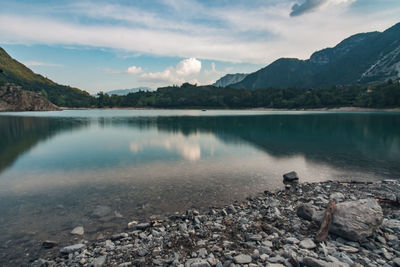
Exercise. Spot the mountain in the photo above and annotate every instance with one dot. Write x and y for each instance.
(229, 79)
(127, 91)
(12, 71)
(372, 57)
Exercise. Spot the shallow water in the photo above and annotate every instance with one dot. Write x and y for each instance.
(103, 168)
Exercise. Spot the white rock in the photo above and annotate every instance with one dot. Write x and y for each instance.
(78, 230)
(242, 259)
(307, 244)
(72, 248)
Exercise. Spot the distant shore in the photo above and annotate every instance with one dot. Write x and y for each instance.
(270, 229)
(340, 109)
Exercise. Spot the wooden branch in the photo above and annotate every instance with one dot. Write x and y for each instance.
(322, 234)
(388, 201)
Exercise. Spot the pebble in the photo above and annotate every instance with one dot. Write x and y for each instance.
(307, 244)
(72, 248)
(242, 259)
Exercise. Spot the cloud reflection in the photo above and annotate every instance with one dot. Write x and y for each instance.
(188, 147)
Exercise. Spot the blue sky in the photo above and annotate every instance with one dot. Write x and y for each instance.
(106, 45)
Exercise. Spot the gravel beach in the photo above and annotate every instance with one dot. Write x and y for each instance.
(270, 229)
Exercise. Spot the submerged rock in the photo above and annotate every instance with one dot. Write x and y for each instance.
(49, 244)
(356, 220)
(101, 211)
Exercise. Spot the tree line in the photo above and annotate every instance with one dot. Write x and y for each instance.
(386, 95)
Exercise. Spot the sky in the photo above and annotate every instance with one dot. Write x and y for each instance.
(107, 45)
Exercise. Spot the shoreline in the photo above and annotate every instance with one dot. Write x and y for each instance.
(264, 230)
(339, 109)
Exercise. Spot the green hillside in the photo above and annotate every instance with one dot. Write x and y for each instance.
(12, 71)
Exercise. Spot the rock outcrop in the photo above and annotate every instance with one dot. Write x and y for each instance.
(13, 98)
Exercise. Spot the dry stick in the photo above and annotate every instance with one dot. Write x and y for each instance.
(326, 222)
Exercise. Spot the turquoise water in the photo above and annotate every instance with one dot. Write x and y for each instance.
(56, 168)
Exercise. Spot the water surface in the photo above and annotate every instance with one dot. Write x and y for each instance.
(103, 168)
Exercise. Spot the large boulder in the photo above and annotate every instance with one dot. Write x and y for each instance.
(356, 220)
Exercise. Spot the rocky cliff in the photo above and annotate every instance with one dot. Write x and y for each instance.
(229, 79)
(13, 98)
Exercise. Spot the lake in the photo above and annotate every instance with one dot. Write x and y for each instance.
(103, 168)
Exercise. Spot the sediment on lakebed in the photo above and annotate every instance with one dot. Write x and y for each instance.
(270, 229)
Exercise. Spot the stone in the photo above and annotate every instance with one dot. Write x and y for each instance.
(101, 211)
(255, 237)
(276, 259)
(391, 224)
(109, 245)
(142, 226)
(49, 244)
(348, 249)
(396, 262)
(305, 211)
(119, 236)
(339, 197)
(307, 244)
(197, 262)
(292, 240)
(312, 262)
(98, 262)
(290, 177)
(78, 231)
(132, 224)
(72, 248)
(356, 220)
(264, 257)
(183, 227)
(242, 259)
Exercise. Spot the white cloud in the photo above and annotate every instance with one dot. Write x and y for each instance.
(188, 66)
(183, 71)
(134, 70)
(166, 76)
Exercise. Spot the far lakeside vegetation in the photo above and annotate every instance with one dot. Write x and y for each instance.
(385, 95)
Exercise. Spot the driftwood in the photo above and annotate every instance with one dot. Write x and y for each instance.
(388, 201)
(322, 234)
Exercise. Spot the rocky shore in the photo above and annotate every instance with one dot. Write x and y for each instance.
(270, 229)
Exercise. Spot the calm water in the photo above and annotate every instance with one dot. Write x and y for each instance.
(103, 168)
